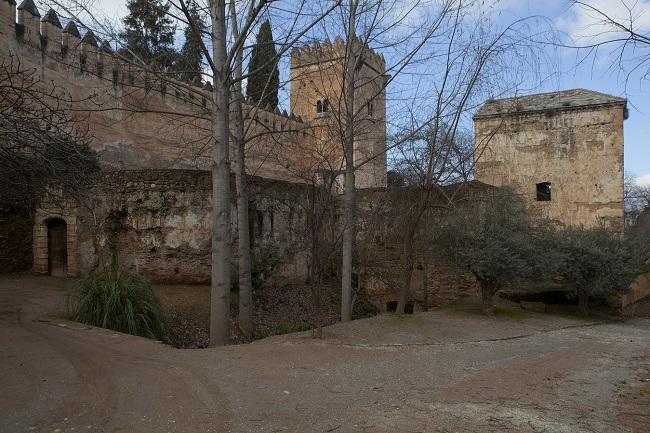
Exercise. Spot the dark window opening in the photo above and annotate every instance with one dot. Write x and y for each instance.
(371, 109)
(319, 106)
(20, 30)
(544, 191)
(391, 307)
(82, 62)
(326, 105)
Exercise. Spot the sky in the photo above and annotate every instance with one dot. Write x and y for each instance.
(597, 72)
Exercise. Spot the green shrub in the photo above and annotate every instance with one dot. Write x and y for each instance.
(290, 327)
(263, 262)
(122, 301)
(596, 263)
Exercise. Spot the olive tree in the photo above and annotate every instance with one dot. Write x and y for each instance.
(494, 239)
(596, 263)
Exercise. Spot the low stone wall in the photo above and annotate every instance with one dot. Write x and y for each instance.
(159, 222)
(639, 289)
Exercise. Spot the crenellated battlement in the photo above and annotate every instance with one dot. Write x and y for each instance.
(44, 41)
(332, 51)
(141, 118)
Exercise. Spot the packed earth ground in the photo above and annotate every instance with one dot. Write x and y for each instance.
(449, 370)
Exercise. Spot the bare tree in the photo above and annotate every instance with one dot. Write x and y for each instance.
(475, 61)
(615, 27)
(636, 198)
(43, 149)
(359, 88)
(224, 54)
(245, 317)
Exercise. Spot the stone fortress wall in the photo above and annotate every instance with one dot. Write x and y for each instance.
(159, 223)
(569, 142)
(317, 74)
(139, 121)
(153, 138)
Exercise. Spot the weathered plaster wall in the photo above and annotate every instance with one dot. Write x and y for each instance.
(160, 223)
(578, 150)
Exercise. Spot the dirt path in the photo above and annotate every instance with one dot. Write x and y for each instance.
(436, 372)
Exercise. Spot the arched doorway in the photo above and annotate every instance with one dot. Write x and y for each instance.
(57, 247)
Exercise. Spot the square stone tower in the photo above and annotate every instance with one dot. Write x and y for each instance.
(317, 95)
(563, 151)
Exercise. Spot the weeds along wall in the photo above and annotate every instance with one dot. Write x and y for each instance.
(140, 119)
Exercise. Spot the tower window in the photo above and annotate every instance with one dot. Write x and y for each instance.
(322, 106)
(371, 109)
(544, 191)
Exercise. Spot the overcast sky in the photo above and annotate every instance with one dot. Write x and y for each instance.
(595, 73)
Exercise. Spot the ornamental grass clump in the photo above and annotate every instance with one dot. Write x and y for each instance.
(122, 301)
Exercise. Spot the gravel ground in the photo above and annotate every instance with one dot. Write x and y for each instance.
(444, 371)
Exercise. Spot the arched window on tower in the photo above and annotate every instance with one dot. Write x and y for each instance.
(371, 109)
(319, 106)
(326, 105)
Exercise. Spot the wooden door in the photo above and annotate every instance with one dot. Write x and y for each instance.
(57, 247)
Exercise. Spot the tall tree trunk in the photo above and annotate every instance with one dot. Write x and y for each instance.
(348, 240)
(243, 228)
(221, 232)
(407, 266)
(425, 283)
(407, 256)
(350, 187)
(487, 296)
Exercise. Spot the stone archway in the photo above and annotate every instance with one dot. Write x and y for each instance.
(57, 247)
(55, 244)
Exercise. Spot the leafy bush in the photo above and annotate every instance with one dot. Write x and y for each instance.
(596, 263)
(122, 301)
(494, 240)
(263, 262)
